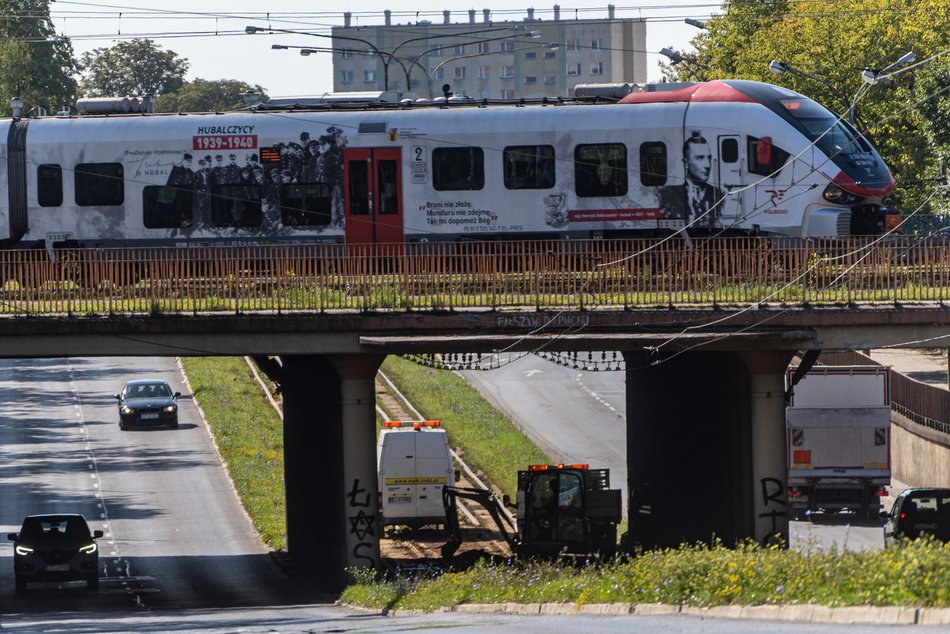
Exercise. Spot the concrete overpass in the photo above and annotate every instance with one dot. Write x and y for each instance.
(705, 398)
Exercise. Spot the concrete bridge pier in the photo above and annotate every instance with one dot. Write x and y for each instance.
(330, 464)
(769, 440)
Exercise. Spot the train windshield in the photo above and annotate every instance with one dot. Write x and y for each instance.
(832, 135)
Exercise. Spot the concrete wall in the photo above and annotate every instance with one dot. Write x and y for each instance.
(919, 456)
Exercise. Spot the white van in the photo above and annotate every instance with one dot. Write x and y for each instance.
(414, 464)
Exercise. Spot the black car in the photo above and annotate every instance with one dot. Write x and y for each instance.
(918, 512)
(55, 548)
(148, 403)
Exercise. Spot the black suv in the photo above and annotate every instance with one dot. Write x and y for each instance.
(918, 512)
(55, 548)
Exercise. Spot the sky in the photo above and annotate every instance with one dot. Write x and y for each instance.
(210, 33)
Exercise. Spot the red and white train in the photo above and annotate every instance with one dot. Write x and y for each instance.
(723, 157)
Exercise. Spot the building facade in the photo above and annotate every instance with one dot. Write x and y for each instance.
(482, 59)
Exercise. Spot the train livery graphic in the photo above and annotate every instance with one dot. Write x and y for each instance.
(715, 158)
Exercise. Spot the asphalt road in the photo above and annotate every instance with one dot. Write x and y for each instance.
(578, 415)
(175, 534)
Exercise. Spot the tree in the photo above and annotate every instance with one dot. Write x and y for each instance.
(202, 95)
(35, 64)
(835, 41)
(136, 67)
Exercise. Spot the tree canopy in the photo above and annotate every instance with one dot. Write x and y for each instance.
(907, 121)
(136, 67)
(202, 95)
(35, 64)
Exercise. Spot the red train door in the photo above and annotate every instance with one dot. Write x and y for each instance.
(373, 196)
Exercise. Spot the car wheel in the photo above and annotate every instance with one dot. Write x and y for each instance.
(92, 582)
(122, 427)
(19, 585)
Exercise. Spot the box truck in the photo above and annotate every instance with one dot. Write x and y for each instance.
(838, 421)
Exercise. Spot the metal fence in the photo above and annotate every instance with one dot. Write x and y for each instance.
(556, 274)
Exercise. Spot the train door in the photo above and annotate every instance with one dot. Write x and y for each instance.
(730, 177)
(373, 197)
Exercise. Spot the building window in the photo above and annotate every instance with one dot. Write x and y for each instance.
(459, 49)
(99, 184)
(597, 68)
(458, 73)
(484, 94)
(436, 53)
(507, 46)
(653, 170)
(595, 44)
(550, 79)
(574, 44)
(573, 70)
(49, 185)
(484, 72)
(530, 79)
(439, 73)
(414, 83)
(347, 53)
(458, 168)
(484, 47)
(529, 166)
(550, 55)
(531, 55)
(600, 170)
(507, 72)
(347, 76)
(369, 76)
(507, 94)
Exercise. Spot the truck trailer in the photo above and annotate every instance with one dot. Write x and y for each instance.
(838, 421)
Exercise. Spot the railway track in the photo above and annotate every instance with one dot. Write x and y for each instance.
(400, 546)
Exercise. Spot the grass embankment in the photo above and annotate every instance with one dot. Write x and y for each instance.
(249, 436)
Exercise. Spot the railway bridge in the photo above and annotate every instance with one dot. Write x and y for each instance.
(706, 337)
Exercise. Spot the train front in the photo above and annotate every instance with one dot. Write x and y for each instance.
(852, 178)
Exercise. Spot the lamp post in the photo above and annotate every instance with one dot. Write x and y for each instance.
(870, 77)
(385, 57)
(677, 58)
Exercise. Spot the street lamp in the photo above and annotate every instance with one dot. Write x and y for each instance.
(386, 57)
(870, 77)
(677, 58)
(699, 24)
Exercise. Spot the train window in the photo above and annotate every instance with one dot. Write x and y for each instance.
(358, 201)
(167, 207)
(729, 151)
(529, 166)
(765, 162)
(305, 205)
(458, 168)
(49, 185)
(386, 183)
(600, 170)
(653, 170)
(236, 205)
(99, 184)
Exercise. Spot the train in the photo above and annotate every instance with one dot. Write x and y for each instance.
(724, 157)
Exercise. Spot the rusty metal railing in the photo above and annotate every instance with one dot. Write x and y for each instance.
(539, 274)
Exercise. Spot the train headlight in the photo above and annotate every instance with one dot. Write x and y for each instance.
(838, 196)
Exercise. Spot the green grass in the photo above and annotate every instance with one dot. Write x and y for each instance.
(249, 435)
(912, 574)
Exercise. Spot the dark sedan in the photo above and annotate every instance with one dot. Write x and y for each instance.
(148, 403)
(55, 548)
(918, 512)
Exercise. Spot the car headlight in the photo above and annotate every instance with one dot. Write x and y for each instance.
(23, 550)
(125, 409)
(835, 194)
(169, 409)
(89, 549)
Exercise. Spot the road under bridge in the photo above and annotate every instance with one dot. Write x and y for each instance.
(705, 399)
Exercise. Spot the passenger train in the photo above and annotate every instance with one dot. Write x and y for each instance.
(714, 158)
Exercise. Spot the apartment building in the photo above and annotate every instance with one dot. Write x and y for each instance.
(484, 59)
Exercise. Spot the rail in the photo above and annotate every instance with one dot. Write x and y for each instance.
(576, 274)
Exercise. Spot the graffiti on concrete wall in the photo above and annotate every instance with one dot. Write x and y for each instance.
(361, 523)
(773, 490)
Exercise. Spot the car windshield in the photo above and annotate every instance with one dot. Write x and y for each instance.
(54, 527)
(148, 390)
(928, 504)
